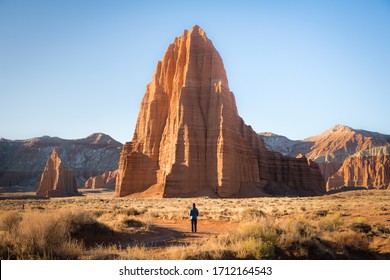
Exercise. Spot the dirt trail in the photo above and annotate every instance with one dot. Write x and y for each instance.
(167, 233)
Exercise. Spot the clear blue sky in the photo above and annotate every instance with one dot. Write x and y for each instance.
(70, 68)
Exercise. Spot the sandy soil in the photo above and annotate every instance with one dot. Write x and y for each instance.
(169, 225)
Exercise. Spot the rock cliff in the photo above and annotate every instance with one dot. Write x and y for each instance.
(105, 180)
(56, 179)
(368, 168)
(330, 148)
(189, 139)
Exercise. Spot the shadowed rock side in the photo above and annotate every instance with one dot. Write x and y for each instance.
(57, 180)
(189, 139)
(369, 168)
(22, 161)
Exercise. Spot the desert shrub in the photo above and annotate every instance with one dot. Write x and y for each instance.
(83, 231)
(361, 227)
(134, 223)
(351, 241)
(258, 249)
(304, 229)
(322, 213)
(252, 213)
(74, 220)
(330, 223)
(9, 221)
(383, 230)
(251, 241)
(45, 236)
(294, 237)
(40, 235)
(264, 231)
(98, 213)
(134, 212)
(127, 211)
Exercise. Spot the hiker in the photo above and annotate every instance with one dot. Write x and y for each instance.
(194, 213)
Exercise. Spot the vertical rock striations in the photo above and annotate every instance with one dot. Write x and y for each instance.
(57, 180)
(330, 148)
(368, 168)
(105, 180)
(189, 139)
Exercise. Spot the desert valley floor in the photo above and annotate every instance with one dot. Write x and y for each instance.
(95, 225)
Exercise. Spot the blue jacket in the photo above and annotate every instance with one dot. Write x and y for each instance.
(194, 213)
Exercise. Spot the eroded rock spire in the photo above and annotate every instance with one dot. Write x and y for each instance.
(189, 139)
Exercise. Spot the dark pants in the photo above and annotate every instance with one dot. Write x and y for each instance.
(193, 225)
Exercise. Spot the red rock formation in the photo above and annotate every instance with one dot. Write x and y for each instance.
(189, 139)
(57, 180)
(369, 168)
(333, 146)
(330, 148)
(105, 180)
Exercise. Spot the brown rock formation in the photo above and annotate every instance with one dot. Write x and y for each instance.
(105, 180)
(57, 180)
(23, 161)
(369, 168)
(189, 139)
(333, 146)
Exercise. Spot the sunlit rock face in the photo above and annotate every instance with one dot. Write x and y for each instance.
(368, 168)
(190, 141)
(56, 179)
(105, 180)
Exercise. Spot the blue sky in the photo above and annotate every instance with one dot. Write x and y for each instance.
(72, 68)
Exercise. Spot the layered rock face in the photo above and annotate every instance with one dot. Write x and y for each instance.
(189, 139)
(368, 168)
(57, 180)
(105, 180)
(330, 148)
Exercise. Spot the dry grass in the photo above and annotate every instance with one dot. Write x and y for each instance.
(35, 235)
(349, 225)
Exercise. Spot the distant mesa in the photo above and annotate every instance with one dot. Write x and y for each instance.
(56, 179)
(190, 141)
(22, 161)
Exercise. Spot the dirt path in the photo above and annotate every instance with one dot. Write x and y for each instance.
(166, 233)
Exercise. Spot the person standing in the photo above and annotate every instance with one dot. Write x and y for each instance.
(194, 213)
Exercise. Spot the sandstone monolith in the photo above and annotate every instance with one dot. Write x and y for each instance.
(56, 179)
(190, 141)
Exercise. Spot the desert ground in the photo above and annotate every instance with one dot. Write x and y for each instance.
(95, 225)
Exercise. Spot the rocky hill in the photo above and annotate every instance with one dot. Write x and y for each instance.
(329, 149)
(22, 161)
